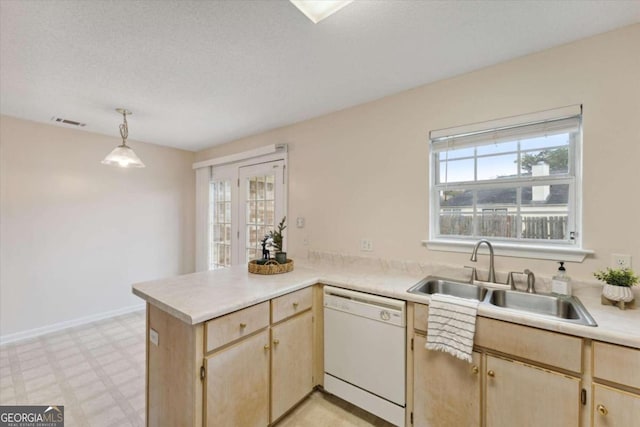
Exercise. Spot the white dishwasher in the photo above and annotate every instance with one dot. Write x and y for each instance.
(364, 351)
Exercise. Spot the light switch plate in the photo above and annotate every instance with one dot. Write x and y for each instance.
(154, 337)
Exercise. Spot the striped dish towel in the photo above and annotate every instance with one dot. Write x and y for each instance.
(451, 325)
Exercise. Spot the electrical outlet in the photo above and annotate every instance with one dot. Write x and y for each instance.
(300, 222)
(154, 337)
(621, 260)
(366, 245)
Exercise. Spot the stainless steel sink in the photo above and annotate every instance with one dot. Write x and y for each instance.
(567, 309)
(556, 307)
(438, 285)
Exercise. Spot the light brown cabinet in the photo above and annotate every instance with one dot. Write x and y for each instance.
(246, 368)
(446, 390)
(291, 363)
(616, 387)
(234, 326)
(269, 371)
(614, 407)
(617, 364)
(504, 385)
(238, 379)
(174, 388)
(519, 394)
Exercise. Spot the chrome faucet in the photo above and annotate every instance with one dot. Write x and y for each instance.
(474, 258)
(531, 281)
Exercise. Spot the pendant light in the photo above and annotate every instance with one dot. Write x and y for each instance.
(123, 155)
(317, 10)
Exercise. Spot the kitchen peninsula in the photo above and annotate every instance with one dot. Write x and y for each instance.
(222, 341)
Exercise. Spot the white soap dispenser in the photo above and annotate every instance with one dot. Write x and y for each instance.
(561, 283)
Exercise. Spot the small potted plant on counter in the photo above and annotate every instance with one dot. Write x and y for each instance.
(278, 242)
(267, 265)
(617, 289)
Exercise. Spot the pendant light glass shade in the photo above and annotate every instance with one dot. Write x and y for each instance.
(123, 155)
(317, 10)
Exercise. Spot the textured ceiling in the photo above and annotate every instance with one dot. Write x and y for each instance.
(200, 73)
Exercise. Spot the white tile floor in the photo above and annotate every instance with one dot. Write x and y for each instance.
(321, 410)
(97, 372)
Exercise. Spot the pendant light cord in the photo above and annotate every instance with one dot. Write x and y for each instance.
(124, 129)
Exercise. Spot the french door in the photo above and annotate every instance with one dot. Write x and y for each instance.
(246, 203)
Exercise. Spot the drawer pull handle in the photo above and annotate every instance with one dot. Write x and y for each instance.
(276, 341)
(295, 305)
(602, 410)
(475, 369)
(266, 347)
(243, 325)
(491, 374)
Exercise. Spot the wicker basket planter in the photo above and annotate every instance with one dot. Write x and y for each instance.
(271, 267)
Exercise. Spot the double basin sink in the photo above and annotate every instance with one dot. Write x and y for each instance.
(562, 308)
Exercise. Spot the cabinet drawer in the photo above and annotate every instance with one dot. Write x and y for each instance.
(290, 304)
(420, 316)
(225, 329)
(549, 348)
(616, 363)
(613, 407)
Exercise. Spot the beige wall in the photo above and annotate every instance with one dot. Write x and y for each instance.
(363, 172)
(75, 234)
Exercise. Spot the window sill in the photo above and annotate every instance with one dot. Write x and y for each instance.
(513, 250)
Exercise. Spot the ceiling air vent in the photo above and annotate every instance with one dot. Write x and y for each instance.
(68, 122)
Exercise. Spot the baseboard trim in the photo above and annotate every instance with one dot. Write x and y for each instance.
(31, 333)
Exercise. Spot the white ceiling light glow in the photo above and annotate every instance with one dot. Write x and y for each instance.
(317, 10)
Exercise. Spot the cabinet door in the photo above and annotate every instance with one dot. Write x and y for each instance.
(523, 395)
(446, 389)
(292, 363)
(614, 408)
(237, 385)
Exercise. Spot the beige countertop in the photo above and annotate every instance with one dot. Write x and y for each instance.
(198, 297)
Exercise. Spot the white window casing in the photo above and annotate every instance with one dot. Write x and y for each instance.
(203, 177)
(515, 181)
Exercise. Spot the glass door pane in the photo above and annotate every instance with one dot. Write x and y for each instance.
(220, 224)
(262, 206)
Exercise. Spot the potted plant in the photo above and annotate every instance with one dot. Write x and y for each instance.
(618, 283)
(278, 242)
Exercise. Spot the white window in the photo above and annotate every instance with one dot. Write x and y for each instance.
(238, 202)
(261, 206)
(246, 204)
(221, 211)
(514, 181)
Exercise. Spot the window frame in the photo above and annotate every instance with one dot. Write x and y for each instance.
(222, 174)
(567, 250)
(280, 211)
(209, 170)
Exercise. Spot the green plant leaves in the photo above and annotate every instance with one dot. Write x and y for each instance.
(617, 276)
(276, 236)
